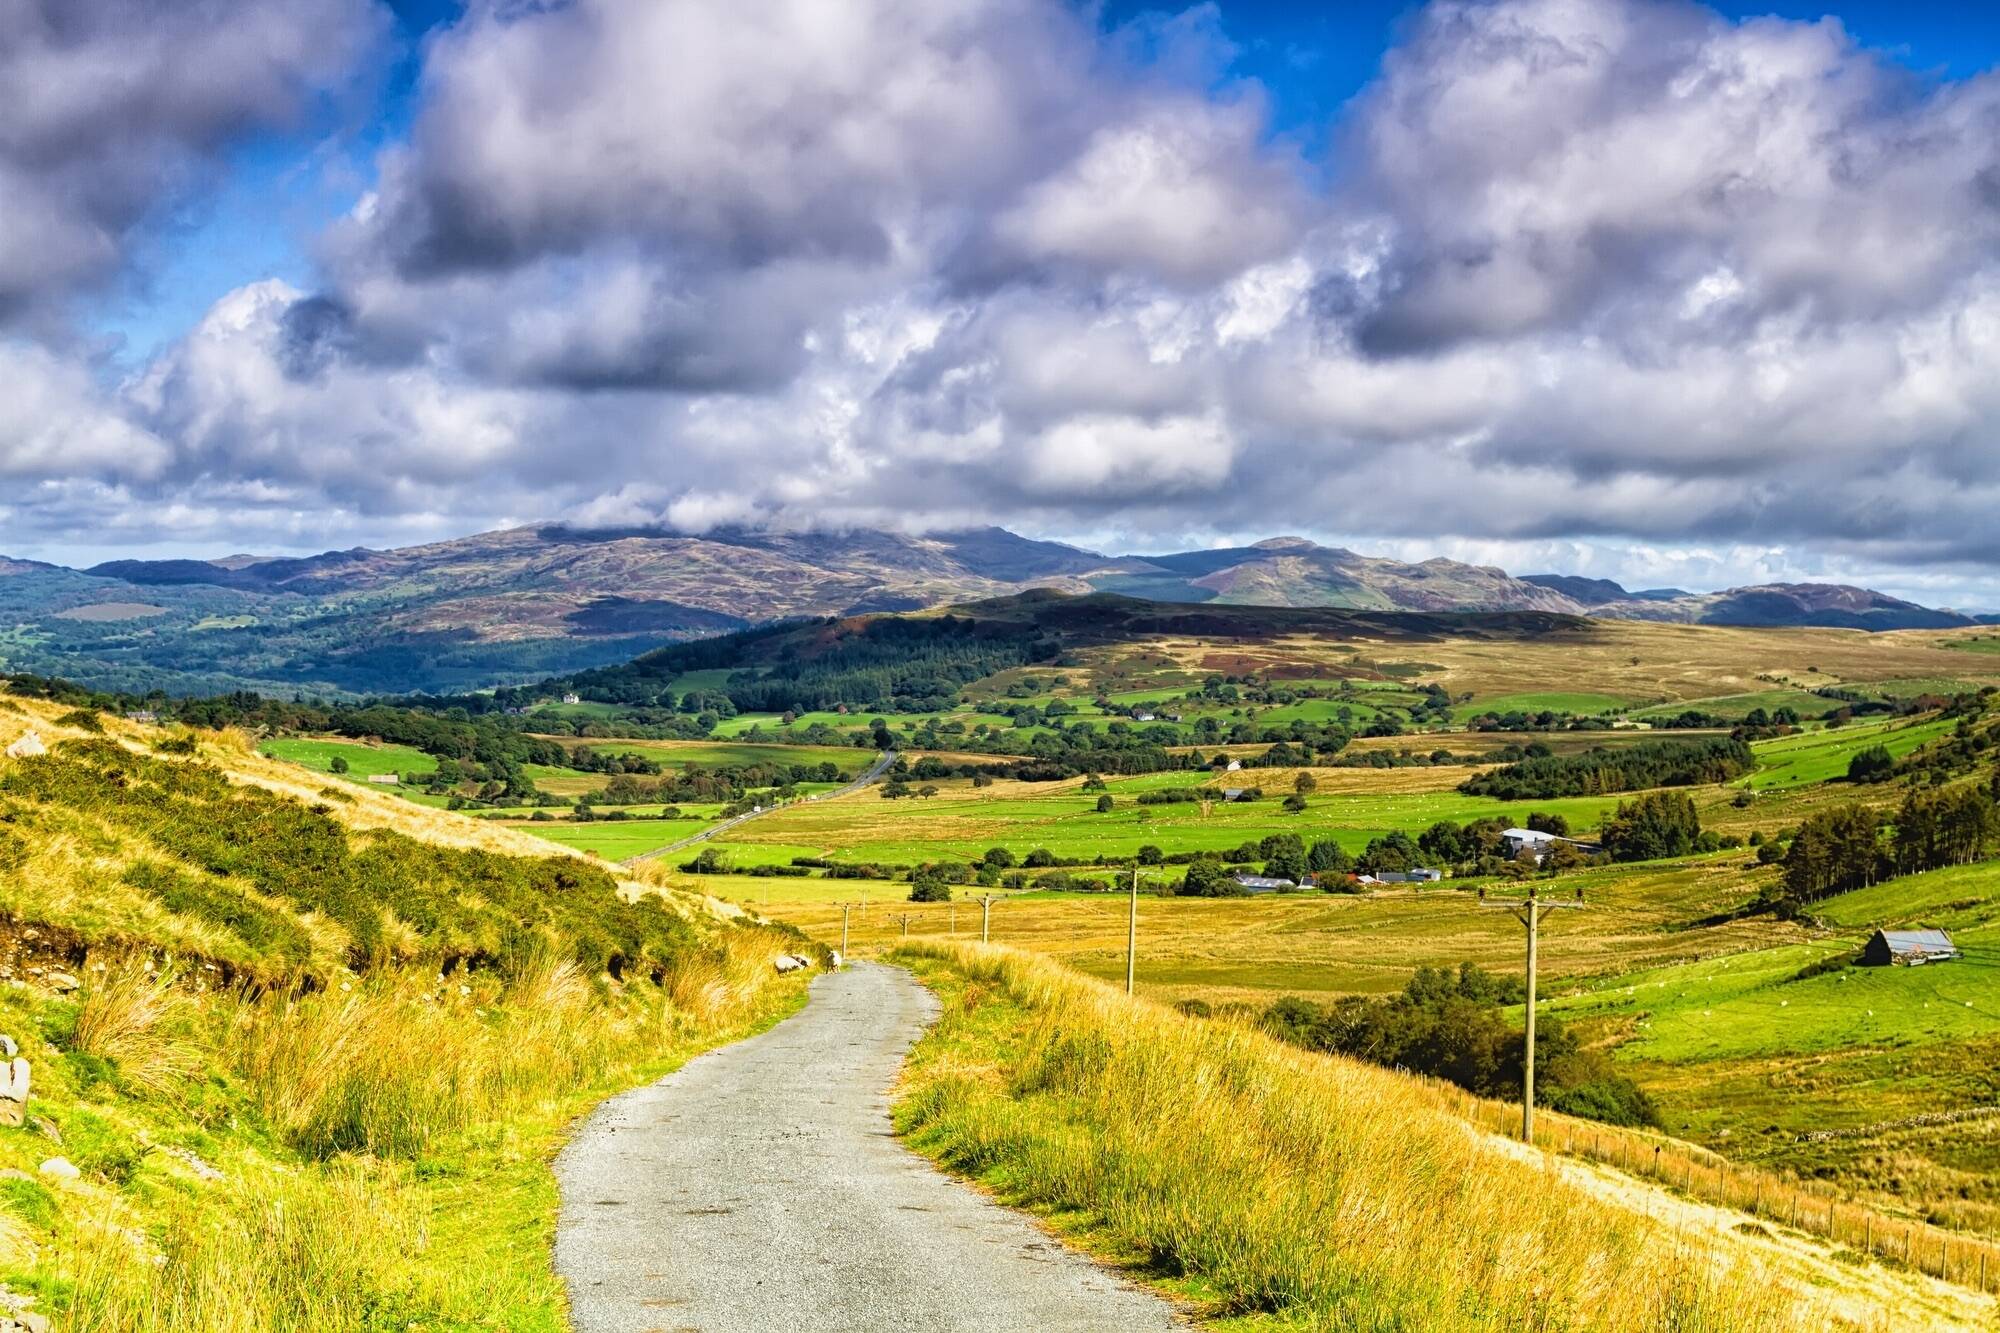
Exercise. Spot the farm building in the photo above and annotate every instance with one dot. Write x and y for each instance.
(1517, 840)
(572, 699)
(1263, 883)
(1420, 875)
(1142, 716)
(1908, 947)
(385, 779)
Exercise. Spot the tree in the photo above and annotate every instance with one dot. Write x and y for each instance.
(1295, 804)
(1874, 764)
(929, 886)
(999, 856)
(1393, 851)
(1150, 855)
(1305, 784)
(1555, 824)
(1206, 878)
(1104, 804)
(1287, 864)
(1039, 858)
(337, 764)
(1328, 858)
(1660, 823)
(1832, 852)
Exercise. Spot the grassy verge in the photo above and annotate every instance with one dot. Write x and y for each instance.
(1280, 1189)
(343, 1160)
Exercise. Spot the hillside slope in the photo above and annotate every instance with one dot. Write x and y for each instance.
(520, 604)
(299, 1054)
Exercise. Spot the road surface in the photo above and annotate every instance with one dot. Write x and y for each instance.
(759, 1187)
(875, 771)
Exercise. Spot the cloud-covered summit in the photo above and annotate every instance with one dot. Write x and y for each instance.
(1609, 275)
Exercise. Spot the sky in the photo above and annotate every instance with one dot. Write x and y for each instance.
(1664, 292)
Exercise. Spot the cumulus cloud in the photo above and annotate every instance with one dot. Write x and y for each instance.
(1576, 275)
(114, 105)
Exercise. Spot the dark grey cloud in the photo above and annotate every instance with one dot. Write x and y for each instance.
(1588, 274)
(113, 107)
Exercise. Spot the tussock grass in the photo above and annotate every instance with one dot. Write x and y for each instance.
(1323, 1193)
(330, 1101)
(136, 1018)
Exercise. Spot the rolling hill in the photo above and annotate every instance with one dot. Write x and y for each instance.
(525, 603)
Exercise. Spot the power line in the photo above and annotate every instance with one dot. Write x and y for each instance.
(1532, 919)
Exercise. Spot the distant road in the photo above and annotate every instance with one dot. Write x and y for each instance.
(874, 773)
(760, 1187)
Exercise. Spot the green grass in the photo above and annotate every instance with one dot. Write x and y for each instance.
(1735, 707)
(1810, 757)
(617, 839)
(1553, 701)
(318, 754)
(679, 754)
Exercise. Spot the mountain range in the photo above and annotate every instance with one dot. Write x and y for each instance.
(527, 602)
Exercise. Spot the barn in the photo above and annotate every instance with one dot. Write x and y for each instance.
(1908, 948)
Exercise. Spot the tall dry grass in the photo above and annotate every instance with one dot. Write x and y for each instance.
(374, 1091)
(136, 1017)
(1332, 1194)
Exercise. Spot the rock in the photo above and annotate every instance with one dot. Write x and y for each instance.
(31, 1322)
(63, 982)
(201, 1169)
(8, 1046)
(47, 1129)
(59, 1168)
(14, 1085)
(27, 747)
(14, 1173)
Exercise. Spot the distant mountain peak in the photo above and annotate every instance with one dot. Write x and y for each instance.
(1286, 544)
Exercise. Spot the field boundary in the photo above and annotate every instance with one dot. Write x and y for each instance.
(873, 774)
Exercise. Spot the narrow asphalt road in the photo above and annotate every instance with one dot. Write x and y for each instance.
(875, 771)
(759, 1187)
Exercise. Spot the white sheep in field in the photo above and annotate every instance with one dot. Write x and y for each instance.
(792, 962)
(833, 960)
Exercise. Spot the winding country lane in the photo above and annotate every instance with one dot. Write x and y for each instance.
(759, 1187)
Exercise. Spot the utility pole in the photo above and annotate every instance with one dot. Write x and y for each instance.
(1532, 919)
(986, 919)
(1132, 934)
(906, 925)
(954, 916)
(845, 908)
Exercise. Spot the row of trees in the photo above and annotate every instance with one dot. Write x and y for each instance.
(1843, 849)
(1601, 771)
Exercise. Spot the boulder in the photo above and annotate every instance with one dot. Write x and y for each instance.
(63, 982)
(59, 1168)
(27, 747)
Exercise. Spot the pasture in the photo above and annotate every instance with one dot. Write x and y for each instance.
(1352, 806)
(363, 759)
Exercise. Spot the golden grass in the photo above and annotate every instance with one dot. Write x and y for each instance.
(1321, 1192)
(135, 1016)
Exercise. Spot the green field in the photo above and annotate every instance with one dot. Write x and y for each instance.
(1823, 755)
(1735, 707)
(618, 839)
(1555, 701)
(318, 754)
(963, 821)
(679, 754)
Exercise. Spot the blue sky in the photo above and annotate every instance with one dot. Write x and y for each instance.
(1628, 288)
(281, 191)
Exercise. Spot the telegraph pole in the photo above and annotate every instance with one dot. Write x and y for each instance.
(954, 916)
(845, 908)
(1532, 919)
(1132, 934)
(906, 925)
(986, 919)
